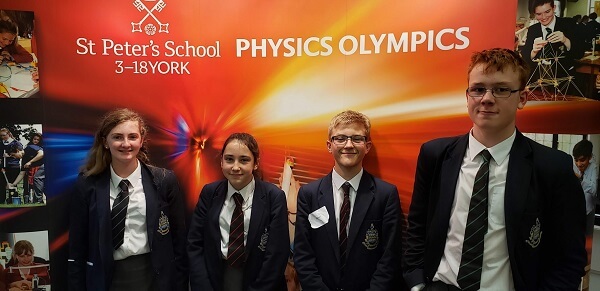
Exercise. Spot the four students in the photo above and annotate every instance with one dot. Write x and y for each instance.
(490, 209)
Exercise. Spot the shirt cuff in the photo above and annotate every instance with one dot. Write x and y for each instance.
(418, 287)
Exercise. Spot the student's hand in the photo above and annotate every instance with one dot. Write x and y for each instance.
(538, 44)
(6, 56)
(557, 36)
(35, 76)
(27, 165)
(598, 82)
(20, 285)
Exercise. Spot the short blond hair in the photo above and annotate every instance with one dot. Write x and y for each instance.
(350, 117)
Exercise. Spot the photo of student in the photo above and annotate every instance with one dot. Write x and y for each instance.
(32, 171)
(12, 152)
(22, 272)
(127, 226)
(552, 39)
(19, 76)
(238, 237)
(348, 225)
(493, 209)
(586, 170)
(10, 49)
(23, 187)
(24, 261)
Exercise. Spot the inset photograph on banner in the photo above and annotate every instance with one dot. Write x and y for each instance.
(561, 47)
(22, 166)
(19, 77)
(25, 261)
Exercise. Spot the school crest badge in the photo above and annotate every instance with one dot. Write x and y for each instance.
(149, 28)
(535, 234)
(371, 238)
(163, 224)
(263, 241)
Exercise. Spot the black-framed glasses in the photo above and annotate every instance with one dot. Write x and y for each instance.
(500, 92)
(342, 139)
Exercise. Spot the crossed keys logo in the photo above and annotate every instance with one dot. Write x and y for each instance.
(149, 28)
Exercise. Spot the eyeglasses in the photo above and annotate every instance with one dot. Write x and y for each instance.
(501, 92)
(342, 139)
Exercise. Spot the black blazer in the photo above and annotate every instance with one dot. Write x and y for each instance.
(90, 238)
(540, 186)
(374, 239)
(267, 242)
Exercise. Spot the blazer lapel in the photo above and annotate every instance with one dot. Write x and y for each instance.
(151, 195)
(364, 197)
(326, 199)
(213, 217)
(517, 184)
(256, 216)
(451, 163)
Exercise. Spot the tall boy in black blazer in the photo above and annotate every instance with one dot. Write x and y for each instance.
(534, 239)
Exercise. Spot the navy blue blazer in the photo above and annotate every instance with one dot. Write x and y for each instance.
(90, 239)
(267, 242)
(544, 211)
(374, 238)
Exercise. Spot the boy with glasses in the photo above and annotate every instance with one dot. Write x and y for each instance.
(492, 209)
(348, 226)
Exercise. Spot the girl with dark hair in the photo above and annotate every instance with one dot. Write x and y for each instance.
(22, 272)
(238, 237)
(127, 229)
(10, 49)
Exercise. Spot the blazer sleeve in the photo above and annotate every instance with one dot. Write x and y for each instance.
(199, 279)
(385, 276)
(20, 54)
(414, 255)
(528, 47)
(278, 245)
(578, 46)
(565, 257)
(177, 225)
(304, 255)
(78, 236)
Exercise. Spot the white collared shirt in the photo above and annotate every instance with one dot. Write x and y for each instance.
(496, 273)
(338, 196)
(589, 184)
(550, 25)
(135, 241)
(227, 210)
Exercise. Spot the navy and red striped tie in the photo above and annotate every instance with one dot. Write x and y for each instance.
(235, 250)
(344, 218)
